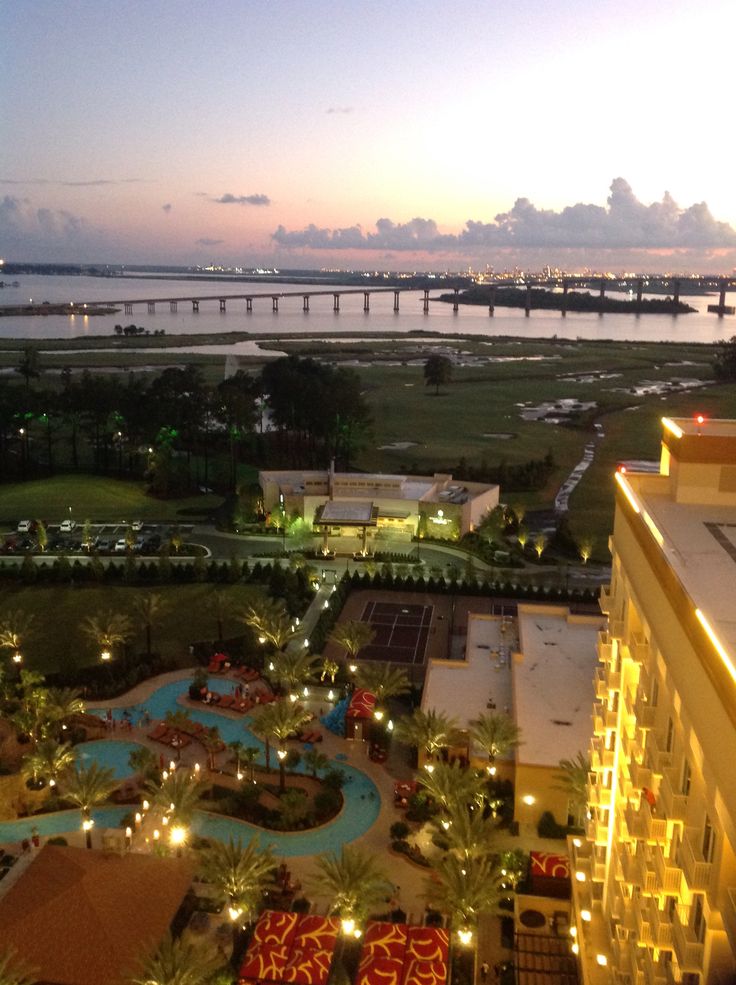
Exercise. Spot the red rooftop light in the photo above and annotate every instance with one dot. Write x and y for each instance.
(700, 419)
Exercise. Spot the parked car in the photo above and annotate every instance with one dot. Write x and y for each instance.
(121, 545)
(66, 526)
(25, 526)
(136, 526)
(102, 544)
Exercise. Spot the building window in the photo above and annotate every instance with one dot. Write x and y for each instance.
(686, 778)
(709, 840)
(670, 735)
(697, 918)
(654, 694)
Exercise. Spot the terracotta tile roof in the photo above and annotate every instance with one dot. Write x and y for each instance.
(80, 917)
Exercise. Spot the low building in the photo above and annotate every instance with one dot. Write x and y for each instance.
(538, 669)
(79, 917)
(358, 504)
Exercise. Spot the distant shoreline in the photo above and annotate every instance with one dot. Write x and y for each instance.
(511, 297)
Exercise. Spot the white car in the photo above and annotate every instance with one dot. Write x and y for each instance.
(24, 526)
(121, 546)
(67, 526)
(136, 526)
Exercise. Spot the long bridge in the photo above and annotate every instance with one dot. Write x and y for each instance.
(636, 284)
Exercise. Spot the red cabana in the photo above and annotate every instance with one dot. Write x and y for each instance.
(362, 704)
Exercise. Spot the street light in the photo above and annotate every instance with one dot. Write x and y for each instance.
(105, 656)
(17, 657)
(87, 825)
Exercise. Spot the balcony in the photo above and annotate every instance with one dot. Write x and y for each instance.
(638, 870)
(596, 832)
(639, 648)
(697, 871)
(659, 758)
(687, 947)
(600, 757)
(661, 928)
(604, 600)
(640, 775)
(728, 913)
(599, 796)
(674, 804)
(645, 714)
(605, 648)
(604, 720)
(616, 628)
(655, 972)
(669, 873)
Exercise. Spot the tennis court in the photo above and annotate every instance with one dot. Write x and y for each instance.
(401, 631)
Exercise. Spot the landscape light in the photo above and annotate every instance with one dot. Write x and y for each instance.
(145, 805)
(178, 835)
(281, 753)
(585, 915)
(601, 959)
(330, 695)
(234, 912)
(17, 657)
(292, 697)
(378, 714)
(305, 692)
(429, 767)
(575, 948)
(348, 925)
(529, 800)
(466, 936)
(580, 876)
(156, 834)
(491, 770)
(261, 639)
(105, 655)
(577, 843)
(353, 668)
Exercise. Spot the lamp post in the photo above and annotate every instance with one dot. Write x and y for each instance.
(87, 825)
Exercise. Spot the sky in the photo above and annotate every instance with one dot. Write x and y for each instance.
(375, 135)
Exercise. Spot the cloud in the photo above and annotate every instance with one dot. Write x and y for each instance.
(32, 233)
(167, 208)
(229, 199)
(339, 109)
(624, 223)
(90, 183)
(204, 241)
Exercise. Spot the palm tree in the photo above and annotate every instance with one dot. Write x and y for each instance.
(178, 795)
(496, 735)
(16, 629)
(280, 720)
(463, 890)
(352, 636)
(62, 703)
(315, 761)
(430, 731)
(240, 875)
(177, 961)
(237, 748)
(353, 881)
(383, 681)
(107, 630)
(269, 618)
(450, 783)
(88, 787)
(294, 670)
(13, 970)
(149, 609)
(328, 668)
(47, 761)
(573, 780)
(249, 755)
(469, 834)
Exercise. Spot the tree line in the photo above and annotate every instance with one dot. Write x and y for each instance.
(177, 429)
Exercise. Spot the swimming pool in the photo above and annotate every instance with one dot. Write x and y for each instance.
(361, 799)
(113, 754)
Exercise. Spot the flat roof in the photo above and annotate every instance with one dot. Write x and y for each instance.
(464, 689)
(699, 544)
(553, 683)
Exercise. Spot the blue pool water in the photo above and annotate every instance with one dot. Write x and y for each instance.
(361, 799)
(113, 754)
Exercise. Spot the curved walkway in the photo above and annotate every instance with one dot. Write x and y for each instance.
(361, 797)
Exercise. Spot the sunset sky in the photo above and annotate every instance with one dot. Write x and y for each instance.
(394, 135)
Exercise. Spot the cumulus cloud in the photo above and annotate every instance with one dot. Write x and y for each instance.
(339, 109)
(89, 183)
(623, 223)
(167, 208)
(204, 241)
(230, 199)
(31, 232)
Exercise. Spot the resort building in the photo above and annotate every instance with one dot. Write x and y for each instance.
(357, 504)
(79, 917)
(655, 877)
(538, 669)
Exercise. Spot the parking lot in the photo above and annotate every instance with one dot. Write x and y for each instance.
(68, 537)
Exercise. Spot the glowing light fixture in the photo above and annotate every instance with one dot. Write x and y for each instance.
(720, 650)
(281, 753)
(429, 767)
(466, 936)
(378, 714)
(348, 925)
(105, 655)
(580, 876)
(585, 915)
(601, 959)
(17, 657)
(234, 912)
(672, 427)
(575, 948)
(529, 800)
(178, 835)
(626, 488)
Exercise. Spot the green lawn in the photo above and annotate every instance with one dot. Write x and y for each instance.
(58, 643)
(97, 498)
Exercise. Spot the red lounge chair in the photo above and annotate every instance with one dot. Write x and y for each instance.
(226, 700)
(159, 732)
(215, 668)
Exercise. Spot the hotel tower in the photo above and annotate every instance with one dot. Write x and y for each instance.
(654, 885)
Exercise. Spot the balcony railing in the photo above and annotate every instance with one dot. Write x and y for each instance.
(605, 648)
(641, 776)
(639, 648)
(697, 871)
(600, 757)
(604, 719)
(669, 873)
(599, 796)
(688, 948)
(674, 804)
(655, 972)
(596, 832)
(604, 600)
(661, 926)
(659, 758)
(728, 912)
(645, 714)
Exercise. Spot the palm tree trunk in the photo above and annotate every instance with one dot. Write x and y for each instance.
(282, 776)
